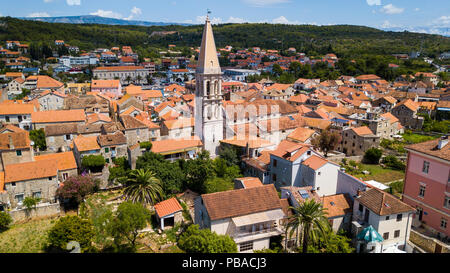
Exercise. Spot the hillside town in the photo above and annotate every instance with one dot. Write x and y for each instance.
(254, 153)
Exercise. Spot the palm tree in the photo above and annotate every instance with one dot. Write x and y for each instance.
(310, 218)
(143, 187)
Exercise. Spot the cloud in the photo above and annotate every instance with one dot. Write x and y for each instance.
(214, 20)
(107, 13)
(38, 14)
(235, 20)
(391, 9)
(373, 2)
(134, 12)
(416, 9)
(442, 21)
(262, 3)
(73, 2)
(284, 20)
(387, 24)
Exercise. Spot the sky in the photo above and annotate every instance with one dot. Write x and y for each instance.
(374, 13)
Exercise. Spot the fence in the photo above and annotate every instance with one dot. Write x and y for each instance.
(41, 210)
(430, 245)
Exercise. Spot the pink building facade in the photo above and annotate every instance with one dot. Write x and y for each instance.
(427, 185)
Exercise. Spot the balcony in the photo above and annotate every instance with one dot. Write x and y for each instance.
(255, 232)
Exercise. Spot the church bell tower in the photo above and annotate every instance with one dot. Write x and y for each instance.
(208, 94)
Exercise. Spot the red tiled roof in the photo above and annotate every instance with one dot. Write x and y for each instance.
(167, 207)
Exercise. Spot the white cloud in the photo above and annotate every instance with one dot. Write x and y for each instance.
(284, 20)
(236, 20)
(391, 9)
(134, 12)
(373, 2)
(214, 20)
(416, 9)
(262, 3)
(38, 14)
(73, 2)
(442, 21)
(387, 24)
(107, 13)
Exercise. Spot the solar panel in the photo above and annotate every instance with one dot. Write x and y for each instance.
(304, 194)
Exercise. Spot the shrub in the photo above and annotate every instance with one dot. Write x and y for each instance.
(373, 155)
(393, 163)
(77, 187)
(5, 221)
(195, 240)
(94, 163)
(31, 202)
(146, 145)
(71, 228)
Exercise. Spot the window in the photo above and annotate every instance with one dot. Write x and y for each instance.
(308, 152)
(6, 118)
(399, 217)
(13, 184)
(50, 178)
(274, 162)
(65, 176)
(386, 235)
(106, 150)
(360, 208)
(67, 137)
(447, 202)
(19, 198)
(274, 177)
(37, 194)
(19, 153)
(426, 166)
(443, 223)
(396, 233)
(107, 160)
(246, 246)
(422, 191)
(387, 217)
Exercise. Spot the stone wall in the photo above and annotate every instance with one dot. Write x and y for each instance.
(42, 210)
(427, 243)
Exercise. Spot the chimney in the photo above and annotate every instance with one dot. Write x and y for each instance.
(358, 193)
(11, 144)
(442, 142)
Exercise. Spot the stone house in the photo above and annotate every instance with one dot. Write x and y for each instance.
(37, 179)
(406, 112)
(389, 216)
(178, 128)
(128, 101)
(18, 114)
(356, 141)
(134, 130)
(67, 165)
(113, 146)
(169, 213)
(15, 148)
(51, 101)
(251, 216)
(15, 87)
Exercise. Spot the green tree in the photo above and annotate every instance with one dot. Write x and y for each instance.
(31, 202)
(197, 171)
(310, 219)
(332, 243)
(327, 141)
(230, 154)
(143, 187)
(120, 171)
(5, 221)
(38, 137)
(195, 240)
(71, 228)
(373, 155)
(128, 220)
(147, 145)
(170, 173)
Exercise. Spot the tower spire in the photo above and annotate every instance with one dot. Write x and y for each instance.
(208, 62)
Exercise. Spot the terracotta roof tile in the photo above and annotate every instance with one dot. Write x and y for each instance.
(430, 148)
(382, 203)
(172, 145)
(315, 162)
(66, 160)
(168, 207)
(241, 202)
(86, 143)
(337, 205)
(31, 170)
(19, 140)
(250, 182)
(58, 116)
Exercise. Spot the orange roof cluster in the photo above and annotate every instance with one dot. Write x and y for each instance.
(301, 134)
(337, 205)
(179, 123)
(105, 84)
(19, 140)
(7, 108)
(118, 68)
(409, 104)
(168, 207)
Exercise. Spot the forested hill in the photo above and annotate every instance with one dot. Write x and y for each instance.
(345, 40)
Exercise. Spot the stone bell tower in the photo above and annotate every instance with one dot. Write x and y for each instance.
(208, 94)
